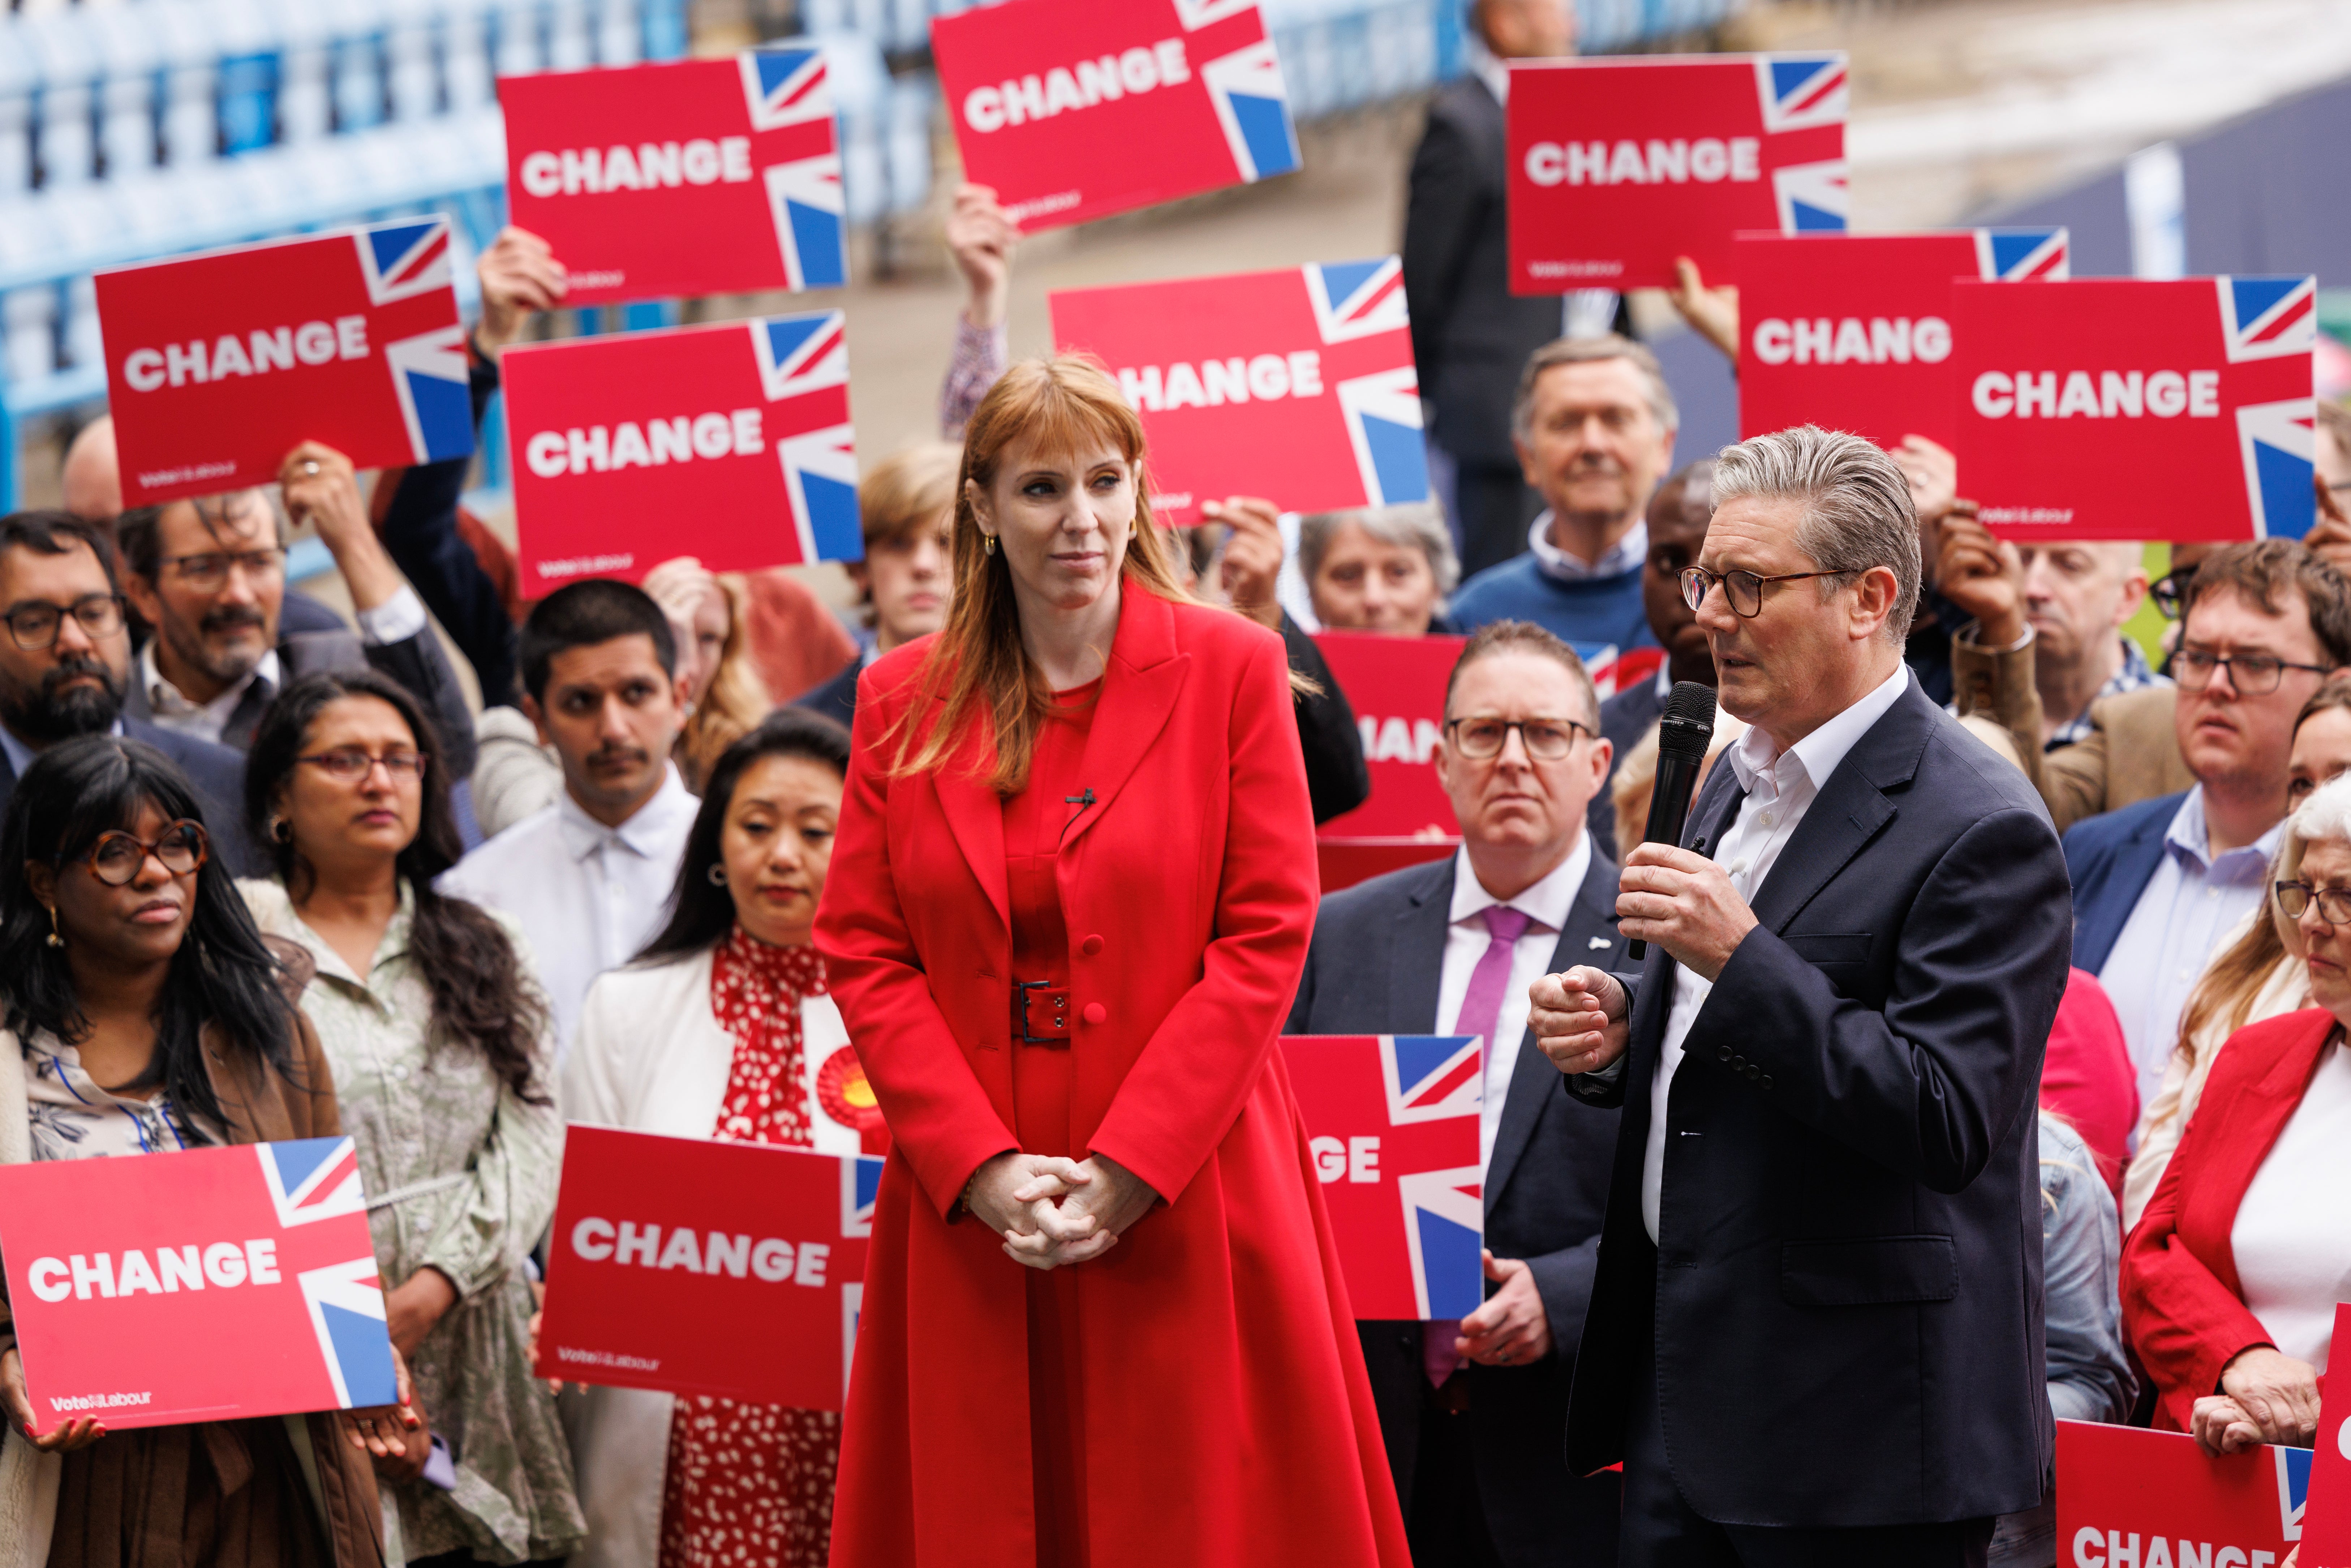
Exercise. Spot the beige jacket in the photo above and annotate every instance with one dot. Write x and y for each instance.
(2132, 753)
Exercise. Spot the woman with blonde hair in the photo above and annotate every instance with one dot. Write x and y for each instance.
(2259, 971)
(1102, 1318)
(906, 508)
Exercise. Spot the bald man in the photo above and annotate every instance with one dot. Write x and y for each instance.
(93, 477)
(2068, 603)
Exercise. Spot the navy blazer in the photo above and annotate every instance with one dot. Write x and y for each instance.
(1373, 968)
(1850, 1226)
(2112, 857)
(214, 772)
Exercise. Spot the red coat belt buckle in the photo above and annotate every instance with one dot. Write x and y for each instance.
(1040, 1013)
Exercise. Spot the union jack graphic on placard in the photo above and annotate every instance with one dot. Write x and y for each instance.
(861, 1182)
(785, 85)
(1614, 670)
(784, 88)
(1812, 197)
(1392, 1125)
(1800, 91)
(820, 469)
(347, 1314)
(2280, 445)
(1384, 423)
(2294, 1466)
(1253, 107)
(312, 1180)
(801, 354)
(1357, 299)
(404, 259)
(2267, 318)
(2022, 255)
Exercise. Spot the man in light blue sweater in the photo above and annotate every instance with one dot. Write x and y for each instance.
(1593, 424)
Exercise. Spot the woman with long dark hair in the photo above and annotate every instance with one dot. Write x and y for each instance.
(144, 1013)
(722, 1029)
(440, 1041)
(1102, 1318)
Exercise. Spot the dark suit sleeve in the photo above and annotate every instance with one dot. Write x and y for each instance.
(1336, 778)
(419, 534)
(1445, 192)
(1928, 1085)
(419, 663)
(1564, 1280)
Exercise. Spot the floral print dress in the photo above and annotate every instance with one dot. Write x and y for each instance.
(750, 1485)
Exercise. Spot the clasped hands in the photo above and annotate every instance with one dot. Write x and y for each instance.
(2266, 1396)
(1053, 1211)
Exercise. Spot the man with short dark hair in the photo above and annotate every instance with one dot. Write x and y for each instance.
(2157, 884)
(1474, 1412)
(1594, 427)
(209, 574)
(588, 876)
(65, 659)
(1677, 522)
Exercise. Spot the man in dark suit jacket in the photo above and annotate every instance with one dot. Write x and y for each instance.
(1676, 516)
(209, 575)
(1475, 1456)
(1816, 1330)
(57, 594)
(1470, 335)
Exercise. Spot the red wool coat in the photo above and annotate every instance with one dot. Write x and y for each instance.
(1227, 1417)
(2183, 1305)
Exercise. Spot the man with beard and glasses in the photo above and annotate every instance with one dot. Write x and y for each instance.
(209, 575)
(589, 877)
(65, 659)
(1594, 424)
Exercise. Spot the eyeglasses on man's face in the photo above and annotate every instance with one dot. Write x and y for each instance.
(208, 572)
(1742, 589)
(2334, 903)
(33, 623)
(117, 857)
(2251, 675)
(1479, 736)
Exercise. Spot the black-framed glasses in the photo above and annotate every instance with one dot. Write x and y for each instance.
(1744, 590)
(209, 570)
(2170, 590)
(2334, 903)
(348, 764)
(34, 624)
(117, 857)
(1479, 737)
(2253, 674)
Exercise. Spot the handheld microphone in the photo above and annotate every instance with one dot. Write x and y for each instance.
(1683, 735)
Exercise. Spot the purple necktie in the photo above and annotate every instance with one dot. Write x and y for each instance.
(1482, 1009)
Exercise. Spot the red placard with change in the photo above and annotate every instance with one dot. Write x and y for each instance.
(1075, 110)
(686, 177)
(206, 1285)
(1393, 1124)
(1618, 166)
(2121, 409)
(1297, 385)
(2129, 1496)
(701, 1267)
(738, 432)
(1854, 332)
(219, 365)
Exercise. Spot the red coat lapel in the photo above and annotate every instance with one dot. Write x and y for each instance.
(1139, 691)
(975, 815)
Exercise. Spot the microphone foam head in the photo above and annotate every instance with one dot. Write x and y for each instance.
(1688, 727)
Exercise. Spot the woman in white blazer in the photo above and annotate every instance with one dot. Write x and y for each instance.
(722, 1010)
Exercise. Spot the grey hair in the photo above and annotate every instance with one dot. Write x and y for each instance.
(2326, 815)
(1587, 351)
(1413, 525)
(1857, 508)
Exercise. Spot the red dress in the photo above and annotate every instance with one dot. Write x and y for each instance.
(750, 1485)
(1197, 1395)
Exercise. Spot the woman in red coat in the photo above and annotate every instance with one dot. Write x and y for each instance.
(1102, 1320)
(2230, 1278)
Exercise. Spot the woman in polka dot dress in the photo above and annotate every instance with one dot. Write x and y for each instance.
(723, 1030)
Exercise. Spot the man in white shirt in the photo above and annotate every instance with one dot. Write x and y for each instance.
(209, 575)
(590, 877)
(1474, 1412)
(1816, 1330)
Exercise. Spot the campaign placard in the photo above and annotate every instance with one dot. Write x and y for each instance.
(730, 442)
(2326, 1530)
(2126, 1496)
(2132, 409)
(1854, 333)
(685, 177)
(1393, 1124)
(219, 364)
(1296, 385)
(206, 1285)
(1074, 110)
(1618, 166)
(701, 1267)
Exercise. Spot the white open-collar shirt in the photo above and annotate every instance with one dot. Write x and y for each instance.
(1780, 788)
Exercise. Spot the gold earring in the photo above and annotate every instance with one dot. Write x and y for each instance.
(988, 544)
(55, 940)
